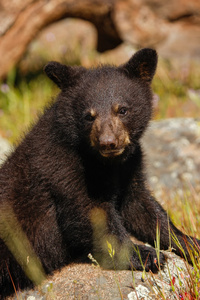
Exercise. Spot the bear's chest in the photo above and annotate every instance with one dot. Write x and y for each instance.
(106, 185)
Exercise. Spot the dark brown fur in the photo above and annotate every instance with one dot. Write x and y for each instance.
(76, 183)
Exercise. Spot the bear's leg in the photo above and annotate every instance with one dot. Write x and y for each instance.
(28, 254)
(112, 246)
(143, 216)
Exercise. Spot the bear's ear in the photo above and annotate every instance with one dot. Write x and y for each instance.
(142, 65)
(64, 76)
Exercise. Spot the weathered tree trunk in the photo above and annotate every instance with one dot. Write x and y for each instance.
(20, 21)
(172, 27)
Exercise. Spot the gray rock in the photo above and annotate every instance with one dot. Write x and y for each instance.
(141, 292)
(172, 149)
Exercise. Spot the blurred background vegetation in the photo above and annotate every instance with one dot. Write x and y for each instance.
(25, 90)
(177, 94)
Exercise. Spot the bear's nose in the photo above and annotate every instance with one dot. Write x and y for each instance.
(108, 142)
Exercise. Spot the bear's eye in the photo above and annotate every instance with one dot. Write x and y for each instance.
(89, 117)
(123, 111)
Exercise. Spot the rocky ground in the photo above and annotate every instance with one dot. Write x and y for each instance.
(89, 282)
(173, 163)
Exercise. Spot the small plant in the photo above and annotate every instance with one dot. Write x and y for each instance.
(93, 260)
(111, 252)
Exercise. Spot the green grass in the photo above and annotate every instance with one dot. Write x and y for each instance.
(20, 104)
(185, 212)
(178, 88)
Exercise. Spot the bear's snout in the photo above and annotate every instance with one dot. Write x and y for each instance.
(109, 137)
(107, 142)
(108, 145)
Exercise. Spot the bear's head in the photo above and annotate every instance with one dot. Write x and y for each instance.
(105, 110)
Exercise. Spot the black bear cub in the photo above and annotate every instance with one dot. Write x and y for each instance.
(76, 184)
